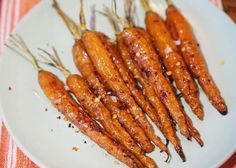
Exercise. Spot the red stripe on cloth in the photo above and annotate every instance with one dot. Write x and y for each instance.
(11, 16)
(23, 161)
(4, 147)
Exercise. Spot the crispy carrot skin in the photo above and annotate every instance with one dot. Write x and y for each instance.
(110, 123)
(166, 125)
(131, 84)
(105, 67)
(191, 53)
(60, 98)
(192, 130)
(85, 66)
(146, 58)
(129, 80)
(173, 62)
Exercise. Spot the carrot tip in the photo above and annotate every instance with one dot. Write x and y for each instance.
(180, 152)
(224, 112)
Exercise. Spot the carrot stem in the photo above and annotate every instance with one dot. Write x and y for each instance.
(146, 5)
(82, 16)
(71, 25)
(54, 60)
(18, 45)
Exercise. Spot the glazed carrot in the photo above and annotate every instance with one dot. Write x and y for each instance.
(165, 121)
(111, 78)
(192, 130)
(79, 88)
(129, 80)
(84, 64)
(144, 55)
(153, 73)
(105, 67)
(55, 91)
(173, 62)
(181, 31)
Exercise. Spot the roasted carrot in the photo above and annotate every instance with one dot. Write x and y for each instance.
(165, 121)
(105, 67)
(181, 31)
(173, 62)
(144, 55)
(129, 80)
(55, 91)
(84, 64)
(97, 110)
(108, 72)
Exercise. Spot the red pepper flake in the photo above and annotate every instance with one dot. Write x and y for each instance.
(74, 148)
(9, 88)
(59, 117)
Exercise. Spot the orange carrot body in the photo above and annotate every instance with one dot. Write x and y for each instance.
(146, 58)
(110, 123)
(60, 98)
(105, 67)
(165, 121)
(173, 62)
(181, 30)
(85, 66)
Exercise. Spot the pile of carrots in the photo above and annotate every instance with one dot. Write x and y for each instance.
(126, 80)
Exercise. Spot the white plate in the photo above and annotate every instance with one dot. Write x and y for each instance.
(49, 141)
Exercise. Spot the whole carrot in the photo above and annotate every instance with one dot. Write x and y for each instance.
(165, 121)
(105, 67)
(55, 91)
(84, 64)
(173, 62)
(181, 31)
(144, 55)
(97, 110)
(81, 59)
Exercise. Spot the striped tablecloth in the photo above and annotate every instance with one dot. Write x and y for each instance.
(11, 11)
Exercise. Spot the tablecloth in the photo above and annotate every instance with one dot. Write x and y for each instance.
(11, 11)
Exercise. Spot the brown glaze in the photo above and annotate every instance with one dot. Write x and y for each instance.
(85, 66)
(60, 98)
(173, 62)
(98, 111)
(106, 68)
(189, 48)
(131, 84)
(143, 53)
(165, 121)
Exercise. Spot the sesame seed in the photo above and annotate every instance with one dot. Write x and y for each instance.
(178, 63)
(114, 116)
(168, 73)
(138, 54)
(96, 99)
